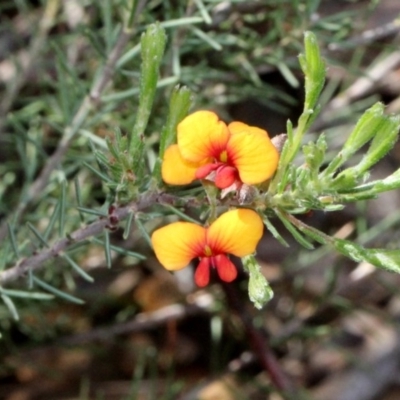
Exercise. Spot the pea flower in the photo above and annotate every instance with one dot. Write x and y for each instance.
(235, 232)
(209, 149)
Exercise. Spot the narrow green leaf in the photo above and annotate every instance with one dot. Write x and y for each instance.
(128, 225)
(107, 248)
(11, 306)
(390, 183)
(106, 14)
(69, 86)
(12, 239)
(120, 250)
(53, 219)
(381, 144)
(370, 123)
(179, 106)
(55, 291)
(180, 213)
(313, 67)
(128, 56)
(95, 42)
(292, 229)
(288, 75)
(64, 92)
(152, 50)
(26, 294)
(203, 11)
(77, 268)
(173, 23)
(274, 232)
(91, 211)
(102, 176)
(315, 154)
(78, 195)
(382, 258)
(38, 235)
(62, 202)
(206, 38)
(143, 231)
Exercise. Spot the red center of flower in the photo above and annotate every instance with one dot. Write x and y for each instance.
(222, 174)
(224, 266)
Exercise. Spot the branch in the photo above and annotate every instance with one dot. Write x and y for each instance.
(36, 262)
(259, 343)
(141, 322)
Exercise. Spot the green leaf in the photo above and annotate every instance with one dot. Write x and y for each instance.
(11, 306)
(260, 292)
(152, 50)
(26, 294)
(372, 124)
(293, 230)
(315, 154)
(390, 183)
(385, 133)
(55, 291)
(77, 268)
(179, 105)
(274, 232)
(381, 144)
(382, 258)
(313, 67)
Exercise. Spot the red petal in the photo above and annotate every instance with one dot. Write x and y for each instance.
(202, 274)
(205, 170)
(225, 177)
(225, 267)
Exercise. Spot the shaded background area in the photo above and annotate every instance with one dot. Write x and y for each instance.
(331, 331)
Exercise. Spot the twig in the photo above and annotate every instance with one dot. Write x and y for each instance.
(91, 99)
(37, 261)
(259, 343)
(143, 321)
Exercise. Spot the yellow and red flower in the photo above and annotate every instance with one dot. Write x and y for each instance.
(235, 232)
(207, 148)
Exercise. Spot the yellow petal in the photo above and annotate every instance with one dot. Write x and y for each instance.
(202, 135)
(254, 156)
(235, 232)
(175, 245)
(175, 170)
(237, 127)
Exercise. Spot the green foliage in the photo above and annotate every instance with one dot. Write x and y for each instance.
(179, 106)
(108, 120)
(152, 50)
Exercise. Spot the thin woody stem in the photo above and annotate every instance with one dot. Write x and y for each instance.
(37, 261)
(259, 343)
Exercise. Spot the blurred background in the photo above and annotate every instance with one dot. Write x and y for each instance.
(331, 331)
